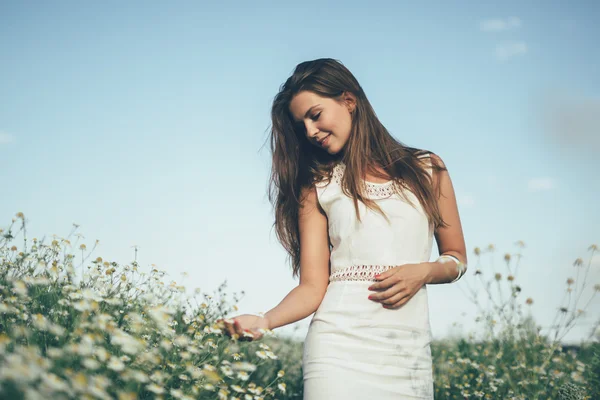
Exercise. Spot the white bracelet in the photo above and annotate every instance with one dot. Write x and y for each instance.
(461, 267)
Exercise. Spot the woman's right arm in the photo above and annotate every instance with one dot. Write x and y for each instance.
(304, 299)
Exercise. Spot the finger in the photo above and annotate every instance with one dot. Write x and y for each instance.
(393, 295)
(248, 335)
(400, 302)
(387, 283)
(376, 283)
(223, 326)
(381, 293)
(388, 273)
(380, 286)
(395, 299)
(238, 329)
(385, 296)
(230, 330)
(227, 326)
(242, 333)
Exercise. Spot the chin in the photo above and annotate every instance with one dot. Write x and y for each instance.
(329, 150)
(335, 149)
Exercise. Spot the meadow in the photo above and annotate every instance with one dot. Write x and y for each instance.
(76, 326)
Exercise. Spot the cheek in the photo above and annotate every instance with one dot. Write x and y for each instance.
(332, 125)
(342, 128)
(342, 123)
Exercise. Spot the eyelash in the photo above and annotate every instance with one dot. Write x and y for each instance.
(315, 117)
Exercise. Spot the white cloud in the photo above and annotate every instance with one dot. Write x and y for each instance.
(6, 138)
(500, 24)
(539, 184)
(465, 200)
(507, 50)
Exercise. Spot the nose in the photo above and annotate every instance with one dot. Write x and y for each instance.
(311, 129)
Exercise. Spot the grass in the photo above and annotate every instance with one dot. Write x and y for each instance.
(88, 328)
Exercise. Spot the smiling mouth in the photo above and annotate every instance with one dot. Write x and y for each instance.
(323, 140)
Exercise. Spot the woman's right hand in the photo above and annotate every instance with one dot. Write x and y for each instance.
(246, 326)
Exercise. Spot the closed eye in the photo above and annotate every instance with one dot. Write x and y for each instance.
(300, 125)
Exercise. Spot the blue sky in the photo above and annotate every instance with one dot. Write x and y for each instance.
(144, 122)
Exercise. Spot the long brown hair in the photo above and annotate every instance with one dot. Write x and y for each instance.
(297, 164)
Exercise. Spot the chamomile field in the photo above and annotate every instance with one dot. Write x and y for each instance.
(78, 326)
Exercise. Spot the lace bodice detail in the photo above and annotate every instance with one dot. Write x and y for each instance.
(373, 190)
(358, 273)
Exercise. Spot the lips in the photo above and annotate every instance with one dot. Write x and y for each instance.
(322, 140)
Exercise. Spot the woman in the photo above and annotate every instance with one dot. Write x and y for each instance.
(357, 212)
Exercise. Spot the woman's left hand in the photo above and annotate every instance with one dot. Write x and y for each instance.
(398, 285)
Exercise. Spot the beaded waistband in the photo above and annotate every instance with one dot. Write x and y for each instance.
(358, 272)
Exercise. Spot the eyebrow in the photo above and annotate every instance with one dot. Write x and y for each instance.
(307, 112)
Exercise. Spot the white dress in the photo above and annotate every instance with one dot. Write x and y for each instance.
(355, 348)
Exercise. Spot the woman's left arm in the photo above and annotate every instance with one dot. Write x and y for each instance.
(450, 240)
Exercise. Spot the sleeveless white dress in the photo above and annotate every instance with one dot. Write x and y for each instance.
(355, 348)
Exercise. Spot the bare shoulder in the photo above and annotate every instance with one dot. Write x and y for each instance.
(437, 165)
(437, 160)
(309, 201)
(434, 158)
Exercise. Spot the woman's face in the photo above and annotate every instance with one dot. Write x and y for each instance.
(323, 117)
